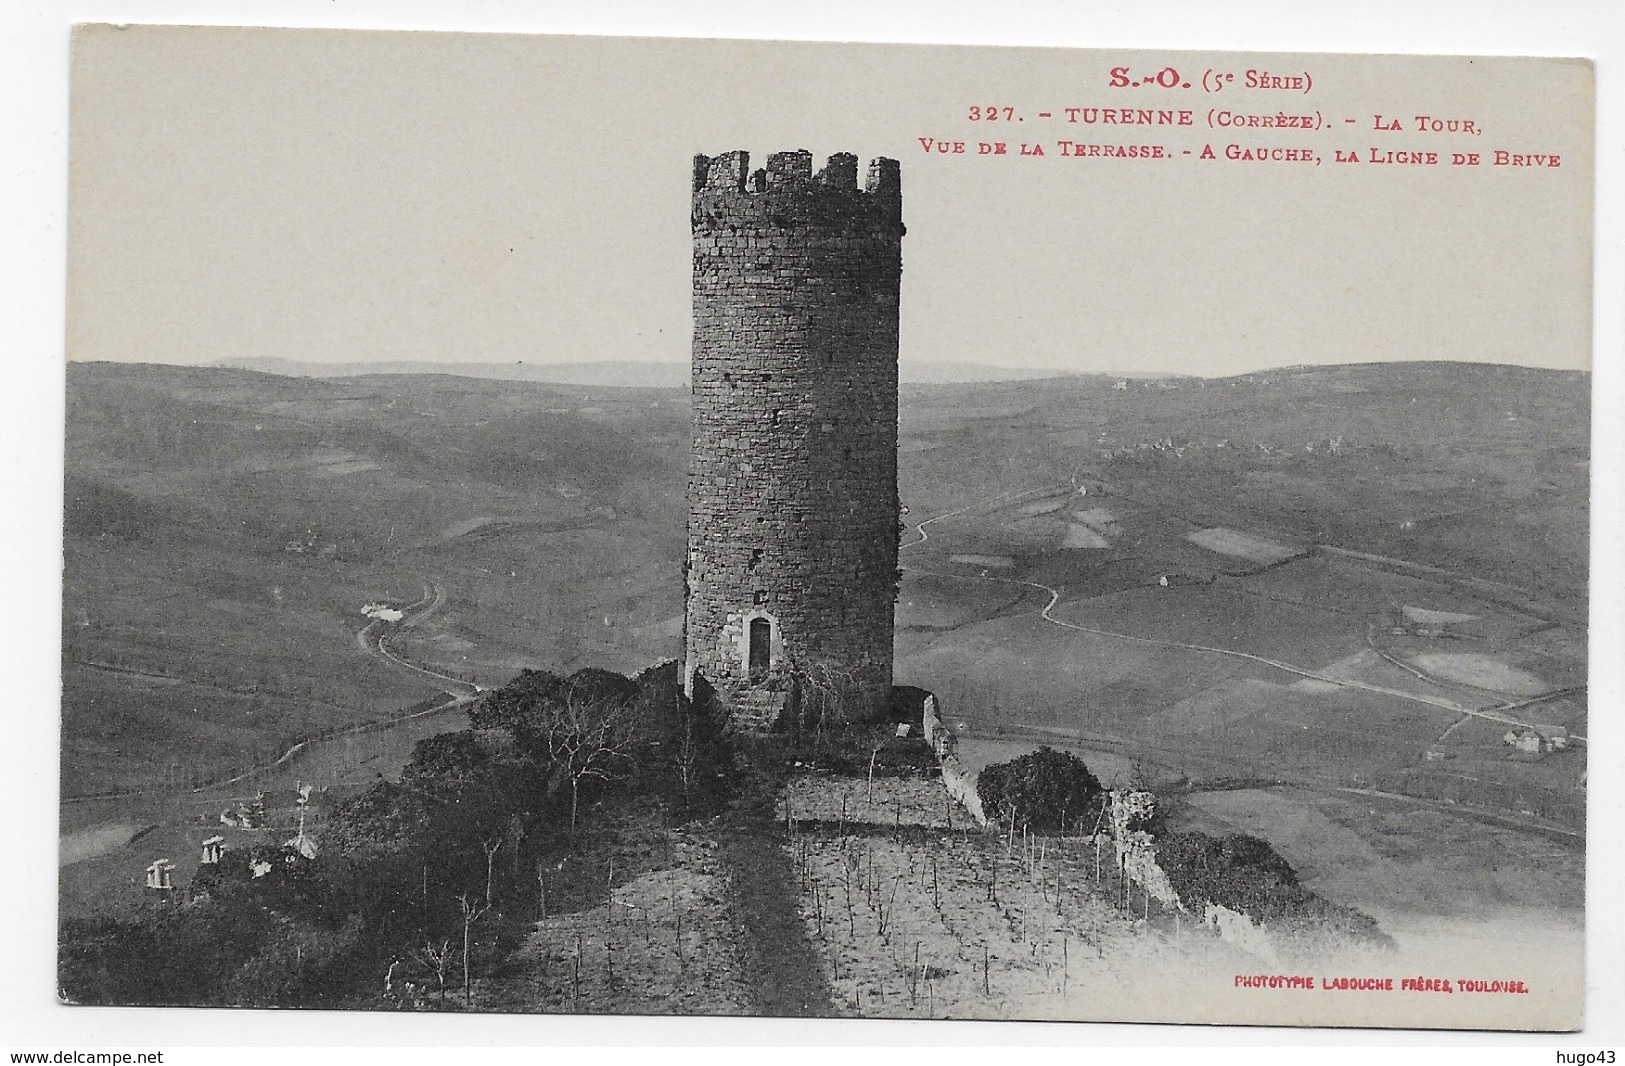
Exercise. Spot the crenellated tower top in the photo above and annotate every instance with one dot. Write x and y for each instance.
(725, 186)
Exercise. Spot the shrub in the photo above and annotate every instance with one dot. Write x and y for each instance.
(599, 733)
(1044, 789)
(685, 752)
(471, 817)
(1240, 872)
(1247, 875)
(457, 755)
(506, 707)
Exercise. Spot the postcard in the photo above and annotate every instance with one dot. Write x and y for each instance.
(696, 527)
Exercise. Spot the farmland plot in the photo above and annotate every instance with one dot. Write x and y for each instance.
(916, 802)
(930, 602)
(912, 920)
(1242, 545)
(664, 941)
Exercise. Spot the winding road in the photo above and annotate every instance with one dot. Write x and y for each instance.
(1494, 714)
(105, 838)
(1497, 714)
(374, 639)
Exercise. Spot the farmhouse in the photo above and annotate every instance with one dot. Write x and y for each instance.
(1537, 739)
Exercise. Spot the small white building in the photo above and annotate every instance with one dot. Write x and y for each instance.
(160, 876)
(213, 849)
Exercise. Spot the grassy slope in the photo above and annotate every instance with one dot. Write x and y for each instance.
(552, 516)
(1489, 463)
(1479, 471)
(189, 488)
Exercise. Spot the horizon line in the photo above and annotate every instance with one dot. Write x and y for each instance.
(1028, 370)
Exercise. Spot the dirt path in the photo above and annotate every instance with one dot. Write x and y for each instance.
(96, 841)
(924, 536)
(374, 639)
(783, 972)
(1495, 714)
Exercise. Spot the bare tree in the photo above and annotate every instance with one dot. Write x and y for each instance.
(869, 792)
(823, 694)
(688, 754)
(491, 848)
(472, 912)
(586, 736)
(436, 959)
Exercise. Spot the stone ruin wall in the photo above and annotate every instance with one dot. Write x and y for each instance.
(792, 490)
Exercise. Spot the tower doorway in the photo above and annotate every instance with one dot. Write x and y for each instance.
(760, 657)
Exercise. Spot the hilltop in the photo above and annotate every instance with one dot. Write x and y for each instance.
(225, 528)
(619, 373)
(238, 520)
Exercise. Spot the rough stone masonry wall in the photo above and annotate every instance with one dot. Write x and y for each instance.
(959, 782)
(793, 481)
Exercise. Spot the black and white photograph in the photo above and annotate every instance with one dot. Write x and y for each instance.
(636, 526)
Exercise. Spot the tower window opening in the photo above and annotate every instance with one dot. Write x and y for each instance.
(761, 648)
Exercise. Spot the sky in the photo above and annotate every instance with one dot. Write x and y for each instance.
(366, 197)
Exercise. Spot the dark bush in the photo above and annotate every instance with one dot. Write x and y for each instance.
(659, 744)
(595, 684)
(684, 750)
(505, 707)
(1247, 875)
(1045, 789)
(1240, 872)
(457, 755)
(473, 814)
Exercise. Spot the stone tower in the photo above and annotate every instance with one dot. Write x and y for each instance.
(791, 574)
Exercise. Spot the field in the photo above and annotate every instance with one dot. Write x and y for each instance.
(1312, 602)
(225, 528)
(913, 918)
(914, 915)
(1280, 581)
(664, 937)
(1428, 592)
(905, 909)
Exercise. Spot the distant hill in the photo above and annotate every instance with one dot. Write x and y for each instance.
(915, 372)
(225, 527)
(618, 373)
